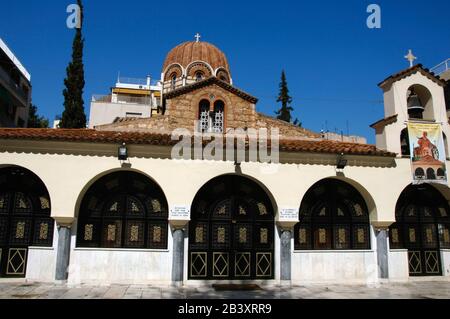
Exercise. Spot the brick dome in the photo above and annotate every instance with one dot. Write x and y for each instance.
(188, 52)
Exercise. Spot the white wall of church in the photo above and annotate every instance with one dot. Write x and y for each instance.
(337, 266)
(41, 264)
(398, 267)
(119, 266)
(41, 261)
(445, 257)
(334, 266)
(180, 181)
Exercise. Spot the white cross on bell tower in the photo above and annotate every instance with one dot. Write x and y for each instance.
(197, 37)
(410, 57)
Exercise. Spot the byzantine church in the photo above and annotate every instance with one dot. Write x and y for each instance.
(109, 204)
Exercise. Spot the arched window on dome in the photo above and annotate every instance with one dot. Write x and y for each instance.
(173, 81)
(199, 76)
(219, 117)
(203, 116)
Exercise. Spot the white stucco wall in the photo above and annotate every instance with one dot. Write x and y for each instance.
(348, 267)
(105, 113)
(119, 266)
(41, 263)
(398, 265)
(445, 258)
(336, 266)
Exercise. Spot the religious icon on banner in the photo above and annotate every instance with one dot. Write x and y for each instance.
(427, 153)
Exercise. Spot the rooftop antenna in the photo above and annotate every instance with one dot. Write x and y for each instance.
(118, 77)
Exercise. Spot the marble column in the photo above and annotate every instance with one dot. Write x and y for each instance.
(382, 252)
(63, 252)
(285, 258)
(178, 256)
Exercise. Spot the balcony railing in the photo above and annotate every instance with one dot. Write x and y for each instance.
(101, 98)
(126, 100)
(441, 68)
(136, 81)
(9, 81)
(132, 81)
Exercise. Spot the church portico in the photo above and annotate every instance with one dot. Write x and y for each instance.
(180, 181)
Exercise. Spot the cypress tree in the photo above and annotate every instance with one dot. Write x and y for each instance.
(74, 116)
(284, 113)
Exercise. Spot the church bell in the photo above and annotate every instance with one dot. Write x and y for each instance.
(415, 107)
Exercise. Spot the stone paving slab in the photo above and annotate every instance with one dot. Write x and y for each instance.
(415, 290)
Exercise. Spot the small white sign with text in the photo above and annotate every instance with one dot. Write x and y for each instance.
(289, 214)
(180, 212)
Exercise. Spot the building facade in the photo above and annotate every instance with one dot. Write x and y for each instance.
(15, 90)
(129, 99)
(114, 205)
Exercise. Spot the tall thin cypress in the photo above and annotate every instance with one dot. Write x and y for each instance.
(73, 115)
(284, 113)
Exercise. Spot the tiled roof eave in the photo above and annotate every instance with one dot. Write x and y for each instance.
(410, 71)
(135, 138)
(207, 82)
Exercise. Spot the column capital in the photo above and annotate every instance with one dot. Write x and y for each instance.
(286, 225)
(66, 222)
(178, 224)
(381, 225)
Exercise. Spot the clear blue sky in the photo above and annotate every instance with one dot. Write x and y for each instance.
(332, 60)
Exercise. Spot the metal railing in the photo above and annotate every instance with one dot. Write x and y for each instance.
(125, 100)
(101, 98)
(441, 67)
(9, 81)
(135, 81)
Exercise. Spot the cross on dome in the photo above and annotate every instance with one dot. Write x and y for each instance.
(410, 57)
(197, 37)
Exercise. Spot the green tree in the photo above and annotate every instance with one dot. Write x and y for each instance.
(34, 120)
(74, 116)
(284, 113)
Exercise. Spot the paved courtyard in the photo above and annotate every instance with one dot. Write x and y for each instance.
(415, 290)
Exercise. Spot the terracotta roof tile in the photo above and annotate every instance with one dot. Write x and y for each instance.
(385, 121)
(207, 82)
(108, 137)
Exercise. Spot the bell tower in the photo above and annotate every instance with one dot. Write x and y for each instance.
(414, 94)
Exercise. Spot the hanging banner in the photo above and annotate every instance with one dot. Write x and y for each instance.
(427, 153)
